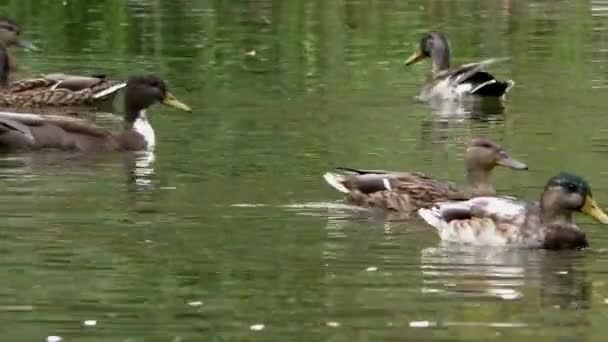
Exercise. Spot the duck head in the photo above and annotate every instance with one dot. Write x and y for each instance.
(481, 157)
(567, 193)
(433, 45)
(10, 35)
(144, 91)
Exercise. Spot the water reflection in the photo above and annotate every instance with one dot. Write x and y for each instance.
(140, 169)
(448, 118)
(476, 109)
(506, 274)
(138, 166)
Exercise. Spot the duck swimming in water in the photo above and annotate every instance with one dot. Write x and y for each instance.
(454, 83)
(505, 221)
(406, 192)
(21, 132)
(51, 90)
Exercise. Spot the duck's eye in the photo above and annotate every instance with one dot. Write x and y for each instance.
(571, 187)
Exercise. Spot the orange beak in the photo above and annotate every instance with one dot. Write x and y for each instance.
(415, 57)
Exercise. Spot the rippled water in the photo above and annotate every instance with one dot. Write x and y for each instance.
(228, 232)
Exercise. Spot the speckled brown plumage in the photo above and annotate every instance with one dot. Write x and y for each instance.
(406, 192)
(52, 90)
(42, 92)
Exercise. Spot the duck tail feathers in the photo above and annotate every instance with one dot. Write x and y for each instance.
(432, 216)
(336, 180)
(510, 84)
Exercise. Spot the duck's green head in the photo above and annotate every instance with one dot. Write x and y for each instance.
(575, 194)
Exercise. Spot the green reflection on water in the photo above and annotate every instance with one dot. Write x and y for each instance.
(281, 92)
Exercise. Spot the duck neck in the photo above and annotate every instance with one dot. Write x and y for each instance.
(479, 182)
(140, 124)
(440, 57)
(4, 67)
(551, 213)
(131, 115)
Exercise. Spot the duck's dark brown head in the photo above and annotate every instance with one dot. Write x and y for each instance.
(10, 34)
(568, 192)
(144, 91)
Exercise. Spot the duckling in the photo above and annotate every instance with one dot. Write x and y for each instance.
(20, 132)
(467, 80)
(406, 192)
(504, 221)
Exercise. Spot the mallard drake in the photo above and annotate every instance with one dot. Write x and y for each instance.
(455, 82)
(47, 90)
(20, 132)
(504, 221)
(406, 192)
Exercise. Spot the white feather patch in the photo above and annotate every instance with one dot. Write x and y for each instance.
(109, 91)
(387, 184)
(482, 85)
(335, 180)
(143, 127)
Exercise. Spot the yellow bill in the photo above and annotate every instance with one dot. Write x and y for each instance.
(591, 208)
(415, 57)
(171, 101)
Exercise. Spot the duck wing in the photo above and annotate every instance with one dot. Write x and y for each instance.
(15, 133)
(490, 221)
(63, 90)
(396, 191)
(23, 121)
(471, 79)
(461, 73)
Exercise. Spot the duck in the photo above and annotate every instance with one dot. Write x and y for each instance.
(508, 221)
(459, 82)
(406, 192)
(10, 36)
(21, 132)
(48, 90)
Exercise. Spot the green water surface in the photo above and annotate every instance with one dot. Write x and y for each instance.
(227, 231)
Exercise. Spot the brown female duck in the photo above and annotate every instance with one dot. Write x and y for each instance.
(406, 192)
(23, 133)
(502, 221)
(52, 90)
(455, 82)
(10, 35)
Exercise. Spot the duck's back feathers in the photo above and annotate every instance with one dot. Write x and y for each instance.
(26, 132)
(394, 191)
(365, 183)
(60, 90)
(467, 79)
(494, 221)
